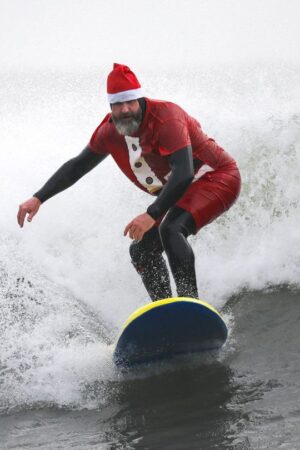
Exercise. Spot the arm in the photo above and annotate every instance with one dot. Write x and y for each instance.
(182, 175)
(69, 173)
(66, 176)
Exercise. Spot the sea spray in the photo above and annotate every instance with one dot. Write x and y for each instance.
(67, 283)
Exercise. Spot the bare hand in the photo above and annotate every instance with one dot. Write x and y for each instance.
(139, 226)
(30, 207)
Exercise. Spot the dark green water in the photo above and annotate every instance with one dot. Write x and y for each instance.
(245, 398)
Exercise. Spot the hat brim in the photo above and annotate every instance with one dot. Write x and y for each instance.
(125, 96)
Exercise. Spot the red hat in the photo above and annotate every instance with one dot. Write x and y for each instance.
(123, 85)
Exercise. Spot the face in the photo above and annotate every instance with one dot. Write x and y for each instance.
(127, 116)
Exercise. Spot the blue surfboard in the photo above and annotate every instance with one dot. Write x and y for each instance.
(169, 327)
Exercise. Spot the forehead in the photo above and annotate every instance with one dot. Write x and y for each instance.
(131, 104)
(128, 102)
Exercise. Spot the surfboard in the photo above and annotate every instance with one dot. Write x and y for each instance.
(169, 327)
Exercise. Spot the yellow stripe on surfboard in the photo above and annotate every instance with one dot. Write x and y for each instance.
(163, 302)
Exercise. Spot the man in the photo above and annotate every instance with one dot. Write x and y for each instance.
(164, 152)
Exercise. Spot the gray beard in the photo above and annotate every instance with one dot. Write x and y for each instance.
(127, 128)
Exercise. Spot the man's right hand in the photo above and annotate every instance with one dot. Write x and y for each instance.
(29, 207)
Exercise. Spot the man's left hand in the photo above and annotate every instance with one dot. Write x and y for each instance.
(139, 226)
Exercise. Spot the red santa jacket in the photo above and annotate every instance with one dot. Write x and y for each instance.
(165, 128)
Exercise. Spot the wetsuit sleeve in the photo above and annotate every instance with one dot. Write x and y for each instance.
(182, 174)
(69, 173)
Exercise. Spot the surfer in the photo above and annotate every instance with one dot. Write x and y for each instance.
(164, 152)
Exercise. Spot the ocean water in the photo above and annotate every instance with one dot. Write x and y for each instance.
(67, 285)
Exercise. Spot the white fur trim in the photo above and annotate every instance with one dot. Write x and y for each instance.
(125, 96)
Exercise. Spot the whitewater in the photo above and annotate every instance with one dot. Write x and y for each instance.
(66, 281)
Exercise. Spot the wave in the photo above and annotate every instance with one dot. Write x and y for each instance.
(66, 281)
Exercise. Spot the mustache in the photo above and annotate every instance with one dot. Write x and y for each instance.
(127, 122)
(126, 116)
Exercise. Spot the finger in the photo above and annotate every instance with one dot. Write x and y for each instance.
(18, 217)
(139, 236)
(132, 231)
(31, 215)
(21, 216)
(127, 228)
(138, 233)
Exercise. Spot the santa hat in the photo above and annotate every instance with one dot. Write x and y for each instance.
(123, 85)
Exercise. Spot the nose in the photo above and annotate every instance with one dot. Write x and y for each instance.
(125, 107)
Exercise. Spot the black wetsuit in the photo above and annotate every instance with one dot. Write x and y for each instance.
(170, 236)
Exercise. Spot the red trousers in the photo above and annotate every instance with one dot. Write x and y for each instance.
(211, 195)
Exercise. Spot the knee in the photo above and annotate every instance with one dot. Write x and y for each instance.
(136, 252)
(167, 231)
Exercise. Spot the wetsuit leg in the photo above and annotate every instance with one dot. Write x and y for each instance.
(174, 230)
(146, 257)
